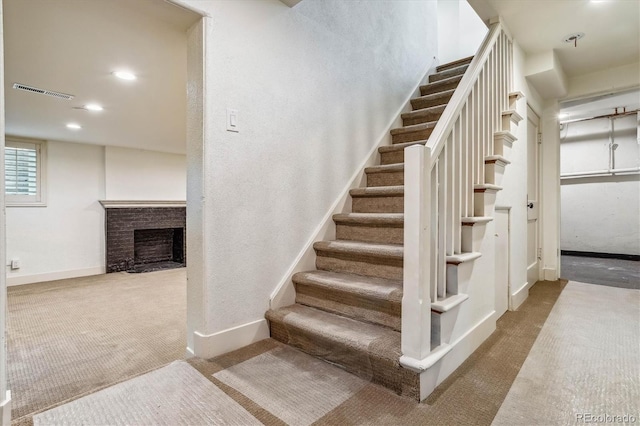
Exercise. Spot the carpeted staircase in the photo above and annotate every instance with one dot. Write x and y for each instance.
(347, 312)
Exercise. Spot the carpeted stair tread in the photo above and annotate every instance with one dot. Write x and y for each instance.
(454, 64)
(373, 287)
(439, 86)
(450, 72)
(369, 299)
(399, 146)
(437, 109)
(413, 128)
(387, 168)
(360, 249)
(370, 219)
(378, 191)
(433, 99)
(367, 350)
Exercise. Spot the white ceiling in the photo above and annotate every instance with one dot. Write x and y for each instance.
(600, 105)
(73, 46)
(611, 27)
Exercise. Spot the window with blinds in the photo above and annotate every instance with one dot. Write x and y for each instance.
(23, 172)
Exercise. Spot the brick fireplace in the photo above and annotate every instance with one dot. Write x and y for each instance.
(144, 236)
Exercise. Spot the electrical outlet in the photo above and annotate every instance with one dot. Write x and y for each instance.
(15, 263)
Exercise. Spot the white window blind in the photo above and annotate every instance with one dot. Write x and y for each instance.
(23, 172)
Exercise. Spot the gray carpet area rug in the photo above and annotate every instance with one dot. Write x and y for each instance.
(173, 395)
(585, 365)
(291, 385)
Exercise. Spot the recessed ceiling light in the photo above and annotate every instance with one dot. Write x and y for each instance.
(93, 107)
(74, 126)
(125, 75)
(563, 115)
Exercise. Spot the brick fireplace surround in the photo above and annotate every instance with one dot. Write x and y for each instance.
(144, 236)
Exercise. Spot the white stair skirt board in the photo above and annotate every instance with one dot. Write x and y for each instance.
(173, 395)
(211, 345)
(53, 276)
(443, 361)
(584, 363)
(5, 409)
(285, 294)
(293, 386)
(517, 298)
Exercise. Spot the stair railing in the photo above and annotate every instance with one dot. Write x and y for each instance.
(439, 183)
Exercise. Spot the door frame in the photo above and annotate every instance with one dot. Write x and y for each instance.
(539, 197)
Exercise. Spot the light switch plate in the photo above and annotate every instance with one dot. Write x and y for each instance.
(232, 120)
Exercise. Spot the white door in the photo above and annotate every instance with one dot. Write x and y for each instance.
(533, 197)
(502, 261)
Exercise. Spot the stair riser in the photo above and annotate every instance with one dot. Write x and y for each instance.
(427, 103)
(370, 234)
(385, 372)
(446, 74)
(428, 90)
(379, 312)
(385, 179)
(368, 266)
(412, 136)
(392, 157)
(378, 205)
(493, 173)
(426, 118)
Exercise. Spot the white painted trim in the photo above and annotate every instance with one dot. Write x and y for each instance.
(52, 276)
(182, 4)
(550, 274)
(517, 298)
(291, 3)
(5, 409)
(121, 204)
(460, 350)
(284, 293)
(211, 345)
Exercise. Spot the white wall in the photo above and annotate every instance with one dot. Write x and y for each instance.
(134, 174)
(600, 214)
(5, 403)
(460, 30)
(316, 87)
(65, 238)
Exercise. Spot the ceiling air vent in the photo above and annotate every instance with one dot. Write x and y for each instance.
(32, 89)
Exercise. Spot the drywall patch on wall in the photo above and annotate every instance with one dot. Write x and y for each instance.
(136, 174)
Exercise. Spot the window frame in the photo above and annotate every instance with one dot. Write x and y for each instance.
(40, 199)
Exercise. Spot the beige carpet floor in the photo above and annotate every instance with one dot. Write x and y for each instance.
(472, 395)
(72, 337)
(585, 365)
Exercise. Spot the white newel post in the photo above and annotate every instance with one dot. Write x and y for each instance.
(416, 301)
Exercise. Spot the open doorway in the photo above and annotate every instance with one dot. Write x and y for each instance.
(600, 189)
(93, 139)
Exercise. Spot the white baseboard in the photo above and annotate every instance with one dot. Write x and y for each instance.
(284, 294)
(550, 274)
(52, 276)
(5, 409)
(461, 349)
(517, 298)
(211, 345)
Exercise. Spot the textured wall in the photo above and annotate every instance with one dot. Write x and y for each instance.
(315, 86)
(600, 214)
